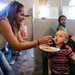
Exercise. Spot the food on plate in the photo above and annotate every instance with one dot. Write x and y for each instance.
(47, 48)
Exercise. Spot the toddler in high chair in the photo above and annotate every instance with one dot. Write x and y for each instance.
(58, 63)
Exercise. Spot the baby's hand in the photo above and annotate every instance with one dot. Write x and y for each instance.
(49, 72)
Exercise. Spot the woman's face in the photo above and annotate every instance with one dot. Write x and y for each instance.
(63, 20)
(20, 16)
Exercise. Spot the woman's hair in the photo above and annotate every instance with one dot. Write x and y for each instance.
(61, 17)
(10, 12)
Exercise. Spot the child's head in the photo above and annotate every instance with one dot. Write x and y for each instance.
(62, 19)
(61, 37)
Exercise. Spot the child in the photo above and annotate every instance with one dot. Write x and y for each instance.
(62, 25)
(58, 63)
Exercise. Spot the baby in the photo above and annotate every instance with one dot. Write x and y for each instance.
(58, 62)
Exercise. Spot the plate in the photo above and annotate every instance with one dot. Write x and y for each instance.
(49, 49)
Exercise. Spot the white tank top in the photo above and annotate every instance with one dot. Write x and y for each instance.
(2, 41)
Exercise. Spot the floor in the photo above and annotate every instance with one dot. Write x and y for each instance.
(27, 65)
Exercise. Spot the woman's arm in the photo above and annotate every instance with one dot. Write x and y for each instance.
(19, 34)
(73, 38)
(73, 59)
(7, 32)
(19, 37)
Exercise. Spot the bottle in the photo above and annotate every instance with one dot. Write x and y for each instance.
(24, 32)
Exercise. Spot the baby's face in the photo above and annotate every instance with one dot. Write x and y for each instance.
(60, 37)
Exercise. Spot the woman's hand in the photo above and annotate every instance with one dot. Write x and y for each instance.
(46, 40)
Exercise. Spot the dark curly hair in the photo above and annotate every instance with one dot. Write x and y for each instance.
(10, 12)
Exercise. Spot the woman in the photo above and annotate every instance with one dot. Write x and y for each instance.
(11, 18)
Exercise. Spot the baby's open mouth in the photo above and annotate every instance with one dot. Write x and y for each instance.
(56, 40)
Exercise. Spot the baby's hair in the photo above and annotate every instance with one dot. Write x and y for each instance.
(66, 34)
(61, 17)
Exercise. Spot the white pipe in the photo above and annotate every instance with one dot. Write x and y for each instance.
(60, 7)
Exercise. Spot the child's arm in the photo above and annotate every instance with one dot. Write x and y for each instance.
(60, 28)
(49, 66)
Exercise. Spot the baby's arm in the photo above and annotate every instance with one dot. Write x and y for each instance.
(49, 66)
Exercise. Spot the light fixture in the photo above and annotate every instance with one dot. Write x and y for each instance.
(43, 2)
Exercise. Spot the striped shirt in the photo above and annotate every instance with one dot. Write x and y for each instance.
(59, 60)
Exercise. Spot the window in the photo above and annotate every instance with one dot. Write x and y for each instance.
(69, 11)
(2, 5)
(44, 11)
